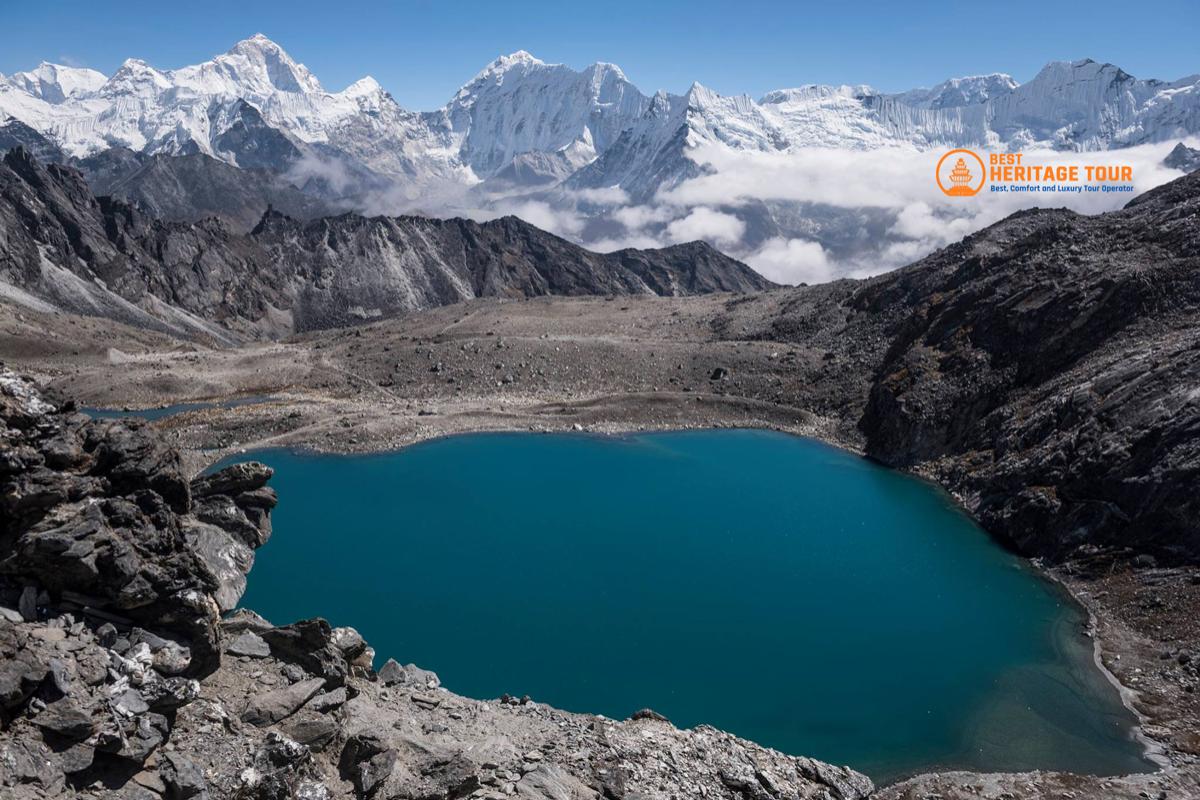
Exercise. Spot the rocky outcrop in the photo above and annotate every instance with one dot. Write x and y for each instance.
(119, 676)
(1183, 158)
(99, 519)
(102, 257)
(14, 134)
(110, 600)
(189, 188)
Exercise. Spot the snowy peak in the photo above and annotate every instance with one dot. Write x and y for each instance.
(959, 92)
(520, 104)
(521, 62)
(55, 83)
(521, 57)
(363, 87)
(254, 67)
(603, 72)
(815, 92)
(135, 78)
(523, 122)
(1085, 69)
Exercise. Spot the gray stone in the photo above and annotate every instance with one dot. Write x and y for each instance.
(393, 674)
(310, 728)
(181, 776)
(76, 758)
(28, 604)
(327, 701)
(271, 707)
(249, 644)
(19, 676)
(131, 703)
(366, 761)
(66, 719)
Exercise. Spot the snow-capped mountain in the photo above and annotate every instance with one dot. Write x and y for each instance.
(529, 122)
(524, 134)
(54, 83)
(958, 92)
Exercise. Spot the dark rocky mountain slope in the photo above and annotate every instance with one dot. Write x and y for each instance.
(1047, 369)
(1183, 157)
(65, 248)
(192, 187)
(14, 134)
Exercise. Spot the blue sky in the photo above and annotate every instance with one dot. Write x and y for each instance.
(423, 51)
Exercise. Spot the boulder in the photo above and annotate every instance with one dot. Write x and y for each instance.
(271, 707)
(248, 644)
(309, 644)
(366, 761)
(393, 674)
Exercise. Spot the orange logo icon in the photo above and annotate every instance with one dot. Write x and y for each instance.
(962, 176)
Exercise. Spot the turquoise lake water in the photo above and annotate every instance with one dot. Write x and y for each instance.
(151, 414)
(791, 593)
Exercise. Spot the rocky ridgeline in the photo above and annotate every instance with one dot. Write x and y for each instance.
(65, 248)
(1045, 369)
(122, 674)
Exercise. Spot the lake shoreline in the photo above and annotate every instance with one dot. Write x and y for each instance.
(299, 467)
(1109, 648)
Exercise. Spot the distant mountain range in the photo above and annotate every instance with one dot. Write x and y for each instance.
(66, 250)
(581, 140)
(522, 121)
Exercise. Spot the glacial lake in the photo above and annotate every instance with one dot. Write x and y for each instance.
(769, 585)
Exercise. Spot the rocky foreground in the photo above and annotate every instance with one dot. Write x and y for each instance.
(120, 676)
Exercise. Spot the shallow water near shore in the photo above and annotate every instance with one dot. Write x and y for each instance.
(783, 590)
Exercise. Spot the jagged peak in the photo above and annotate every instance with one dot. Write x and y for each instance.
(135, 66)
(606, 68)
(811, 91)
(1081, 68)
(362, 87)
(701, 93)
(272, 67)
(272, 217)
(505, 64)
(519, 57)
(257, 43)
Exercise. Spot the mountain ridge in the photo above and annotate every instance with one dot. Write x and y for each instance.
(520, 105)
(103, 257)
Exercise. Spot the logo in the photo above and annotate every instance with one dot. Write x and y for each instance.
(960, 173)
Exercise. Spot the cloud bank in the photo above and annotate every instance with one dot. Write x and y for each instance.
(753, 205)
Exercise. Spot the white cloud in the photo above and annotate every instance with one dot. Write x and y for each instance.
(636, 217)
(792, 261)
(559, 221)
(804, 240)
(709, 225)
(607, 195)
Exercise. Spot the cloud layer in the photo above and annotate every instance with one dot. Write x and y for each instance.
(797, 217)
(808, 216)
